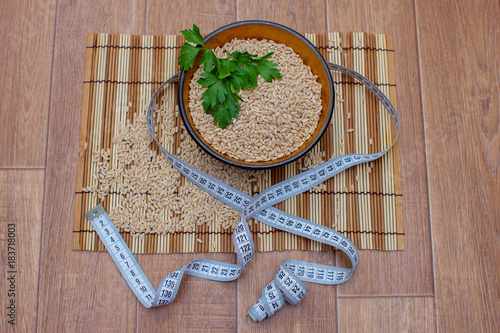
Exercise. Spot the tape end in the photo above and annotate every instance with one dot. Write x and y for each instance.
(95, 212)
(252, 315)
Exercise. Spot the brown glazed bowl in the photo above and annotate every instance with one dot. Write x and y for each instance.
(280, 34)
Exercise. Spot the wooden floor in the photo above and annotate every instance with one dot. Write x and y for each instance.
(448, 81)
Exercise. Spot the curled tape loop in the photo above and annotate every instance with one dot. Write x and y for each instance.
(288, 284)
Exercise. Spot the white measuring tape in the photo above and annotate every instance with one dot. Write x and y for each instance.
(288, 284)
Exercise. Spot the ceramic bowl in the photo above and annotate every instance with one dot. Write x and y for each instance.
(279, 34)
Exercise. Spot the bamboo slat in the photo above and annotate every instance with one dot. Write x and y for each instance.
(364, 203)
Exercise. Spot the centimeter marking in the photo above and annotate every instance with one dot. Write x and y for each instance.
(123, 258)
(288, 284)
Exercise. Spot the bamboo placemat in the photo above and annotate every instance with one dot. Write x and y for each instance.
(364, 202)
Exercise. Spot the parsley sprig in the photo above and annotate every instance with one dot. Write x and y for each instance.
(224, 77)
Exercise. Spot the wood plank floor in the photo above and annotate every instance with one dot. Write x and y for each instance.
(448, 83)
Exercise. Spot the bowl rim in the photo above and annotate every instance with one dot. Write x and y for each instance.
(200, 143)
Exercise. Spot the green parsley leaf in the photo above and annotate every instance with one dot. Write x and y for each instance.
(242, 58)
(232, 100)
(238, 80)
(217, 90)
(187, 56)
(224, 77)
(267, 71)
(261, 59)
(207, 79)
(222, 117)
(226, 112)
(251, 74)
(209, 60)
(226, 68)
(194, 35)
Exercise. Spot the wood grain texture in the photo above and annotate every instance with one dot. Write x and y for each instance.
(316, 312)
(459, 47)
(26, 45)
(170, 17)
(75, 288)
(386, 314)
(21, 198)
(407, 272)
(302, 16)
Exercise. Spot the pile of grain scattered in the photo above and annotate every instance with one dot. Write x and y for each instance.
(147, 195)
(276, 117)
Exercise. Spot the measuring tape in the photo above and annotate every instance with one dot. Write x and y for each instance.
(288, 284)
